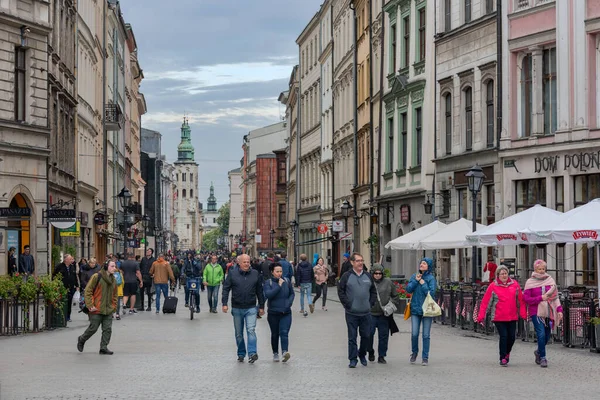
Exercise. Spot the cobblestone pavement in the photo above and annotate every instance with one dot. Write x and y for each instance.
(170, 357)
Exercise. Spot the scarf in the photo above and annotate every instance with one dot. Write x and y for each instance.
(501, 284)
(546, 309)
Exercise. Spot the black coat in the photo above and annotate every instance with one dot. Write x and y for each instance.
(304, 273)
(69, 278)
(145, 265)
(265, 269)
(245, 287)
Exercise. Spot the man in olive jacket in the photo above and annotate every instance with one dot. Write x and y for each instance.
(101, 301)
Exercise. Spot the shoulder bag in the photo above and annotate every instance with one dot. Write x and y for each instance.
(389, 308)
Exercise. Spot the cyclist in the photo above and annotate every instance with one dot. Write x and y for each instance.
(192, 269)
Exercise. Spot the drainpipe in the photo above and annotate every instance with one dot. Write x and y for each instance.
(435, 118)
(334, 255)
(104, 132)
(381, 105)
(498, 72)
(298, 134)
(371, 145)
(354, 99)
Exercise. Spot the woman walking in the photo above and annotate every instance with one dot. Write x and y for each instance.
(386, 292)
(421, 284)
(280, 296)
(541, 296)
(503, 299)
(321, 272)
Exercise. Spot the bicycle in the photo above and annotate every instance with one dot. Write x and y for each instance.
(193, 285)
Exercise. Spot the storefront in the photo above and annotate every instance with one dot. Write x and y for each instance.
(561, 179)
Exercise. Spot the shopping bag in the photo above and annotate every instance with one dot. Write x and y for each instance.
(407, 311)
(76, 298)
(431, 308)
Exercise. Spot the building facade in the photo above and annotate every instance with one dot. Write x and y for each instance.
(551, 130)
(466, 54)
(187, 221)
(24, 129)
(151, 166)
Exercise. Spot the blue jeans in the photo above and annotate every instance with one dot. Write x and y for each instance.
(543, 333)
(305, 289)
(280, 325)
(416, 326)
(358, 324)
(382, 324)
(213, 296)
(161, 287)
(247, 316)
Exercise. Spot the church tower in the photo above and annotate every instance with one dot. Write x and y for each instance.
(187, 215)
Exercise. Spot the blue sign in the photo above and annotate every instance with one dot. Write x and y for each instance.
(12, 240)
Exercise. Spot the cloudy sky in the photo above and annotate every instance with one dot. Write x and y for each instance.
(223, 63)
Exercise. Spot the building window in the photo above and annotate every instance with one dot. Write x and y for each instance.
(191, 177)
(467, 11)
(446, 203)
(587, 188)
(390, 145)
(526, 96)
(281, 173)
(214, 220)
(469, 118)
(549, 91)
(20, 92)
(183, 193)
(489, 113)
(177, 177)
(491, 204)
(183, 177)
(418, 133)
(463, 203)
(282, 215)
(422, 36)
(406, 42)
(559, 199)
(192, 193)
(448, 105)
(529, 193)
(394, 49)
(447, 15)
(404, 138)
(489, 6)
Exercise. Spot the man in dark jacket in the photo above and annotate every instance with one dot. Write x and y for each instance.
(304, 278)
(86, 272)
(288, 270)
(265, 267)
(26, 262)
(346, 266)
(246, 289)
(69, 278)
(145, 265)
(192, 269)
(358, 295)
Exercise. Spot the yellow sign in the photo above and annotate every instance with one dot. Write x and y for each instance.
(72, 231)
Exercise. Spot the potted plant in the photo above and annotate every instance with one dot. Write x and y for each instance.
(372, 240)
(403, 295)
(596, 324)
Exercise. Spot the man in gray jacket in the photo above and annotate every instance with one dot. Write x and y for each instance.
(358, 295)
(386, 293)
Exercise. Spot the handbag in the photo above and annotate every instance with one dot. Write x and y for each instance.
(76, 298)
(389, 309)
(407, 310)
(430, 307)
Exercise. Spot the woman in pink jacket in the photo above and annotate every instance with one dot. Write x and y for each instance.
(321, 274)
(504, 301)
(541, 295)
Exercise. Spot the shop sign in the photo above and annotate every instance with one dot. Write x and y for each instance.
(60, 214)
(100, 219)
(581, 162)
(6, 212)
(72, 231)
(405, 214)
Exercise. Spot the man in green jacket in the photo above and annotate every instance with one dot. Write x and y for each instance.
(212, 278)
(101, 301)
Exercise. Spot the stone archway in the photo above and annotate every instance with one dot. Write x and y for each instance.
(20, 222)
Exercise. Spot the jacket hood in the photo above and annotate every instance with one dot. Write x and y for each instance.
(377, 267)
(429, 262)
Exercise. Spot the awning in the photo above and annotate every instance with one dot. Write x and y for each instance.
(63, 224)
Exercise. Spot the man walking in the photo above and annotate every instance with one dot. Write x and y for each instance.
(101, 301)
(133, 279)
(358, 295)
(161, 272)
(245, 286)
(304, 277)
(26, 262)
(145, 266)
(288, 270)
(265, 266)
(212, 277)
(346, 265)
(69, 279)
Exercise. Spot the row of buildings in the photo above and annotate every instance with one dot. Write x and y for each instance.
(393, 101)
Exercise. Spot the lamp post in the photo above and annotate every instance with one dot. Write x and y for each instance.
(145, 221)
(125, 201)
(157, 239)
(272, 232)
(294, 226)
(346, 207)
(475, 177)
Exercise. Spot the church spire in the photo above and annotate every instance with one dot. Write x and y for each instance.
(185, 150)
(212, 200)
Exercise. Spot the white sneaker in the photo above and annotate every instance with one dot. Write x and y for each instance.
(276, 357)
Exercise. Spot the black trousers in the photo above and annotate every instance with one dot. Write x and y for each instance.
(321, 289)
(70, 294)
(507, 331)
(148, 290)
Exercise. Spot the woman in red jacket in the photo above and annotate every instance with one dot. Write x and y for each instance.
(504, 301)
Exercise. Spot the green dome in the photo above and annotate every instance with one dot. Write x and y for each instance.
(185, 150)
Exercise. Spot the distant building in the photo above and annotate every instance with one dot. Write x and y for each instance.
(235, 207)
(210, 215)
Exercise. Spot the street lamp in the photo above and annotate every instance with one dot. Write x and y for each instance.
(346, 207)
(294, 226)
(475, 178)
(145, 221)
(157, 239)
(428, 206)
(125, 201)
(272, 232)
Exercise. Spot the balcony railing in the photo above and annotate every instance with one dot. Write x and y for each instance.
(521, 5)
(113, 117)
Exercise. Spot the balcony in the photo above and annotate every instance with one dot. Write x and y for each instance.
(521, 5)
(113, 117)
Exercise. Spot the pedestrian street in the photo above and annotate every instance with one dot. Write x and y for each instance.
(161, 356)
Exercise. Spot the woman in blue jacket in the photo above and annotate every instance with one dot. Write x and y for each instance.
(280, 296)
(420, 284)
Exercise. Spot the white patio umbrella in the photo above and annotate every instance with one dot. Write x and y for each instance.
(518, 228)
(453, 236)
(411, 240)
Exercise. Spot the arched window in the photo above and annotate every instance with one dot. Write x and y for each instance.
(183, 193)
(468, 118)
(192, 193)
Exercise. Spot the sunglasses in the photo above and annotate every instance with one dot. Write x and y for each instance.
(377, 273)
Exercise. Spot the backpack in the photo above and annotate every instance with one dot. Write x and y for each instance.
(118, 278)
